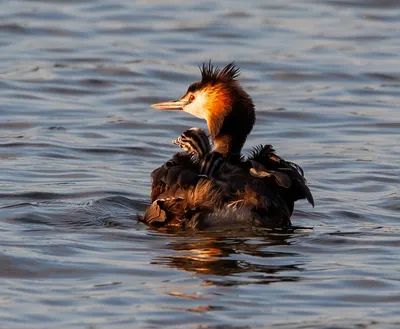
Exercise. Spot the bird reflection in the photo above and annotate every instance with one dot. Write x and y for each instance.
(226, 257)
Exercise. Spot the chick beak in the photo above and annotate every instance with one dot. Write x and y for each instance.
(171, 105)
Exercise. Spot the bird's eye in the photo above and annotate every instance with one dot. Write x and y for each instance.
(191, 98)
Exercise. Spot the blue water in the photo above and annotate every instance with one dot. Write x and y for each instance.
(78, 141)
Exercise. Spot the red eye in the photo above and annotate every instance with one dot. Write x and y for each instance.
(191, 98)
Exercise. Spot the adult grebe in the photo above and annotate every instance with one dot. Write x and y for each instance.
(201, 188)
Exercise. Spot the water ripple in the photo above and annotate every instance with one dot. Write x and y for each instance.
(78, 141)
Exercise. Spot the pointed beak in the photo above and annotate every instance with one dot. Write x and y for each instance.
(171, 105)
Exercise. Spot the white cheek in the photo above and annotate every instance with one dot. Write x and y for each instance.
(194, 110)
(197, 107)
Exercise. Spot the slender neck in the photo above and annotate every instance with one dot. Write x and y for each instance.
(235, 128)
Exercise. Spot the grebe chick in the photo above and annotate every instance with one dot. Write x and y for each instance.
(202, 188)
(195, 141)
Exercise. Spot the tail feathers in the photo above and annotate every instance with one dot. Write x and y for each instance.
(305, 192)
(259, 171)
(286, 174)
(310, 198)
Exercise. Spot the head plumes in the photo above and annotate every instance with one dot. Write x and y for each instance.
(213, 74)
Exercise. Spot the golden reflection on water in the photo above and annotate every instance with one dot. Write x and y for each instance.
(227, 257)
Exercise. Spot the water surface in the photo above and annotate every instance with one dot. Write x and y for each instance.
(78, 141)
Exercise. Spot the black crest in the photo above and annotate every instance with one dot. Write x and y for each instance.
(213, 74)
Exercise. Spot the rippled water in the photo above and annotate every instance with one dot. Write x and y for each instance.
(78, 141)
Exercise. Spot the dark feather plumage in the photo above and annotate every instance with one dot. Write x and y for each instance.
(266, 156)
(192, 192)
(212, 74)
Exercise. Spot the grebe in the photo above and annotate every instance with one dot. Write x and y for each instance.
(201, 187)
